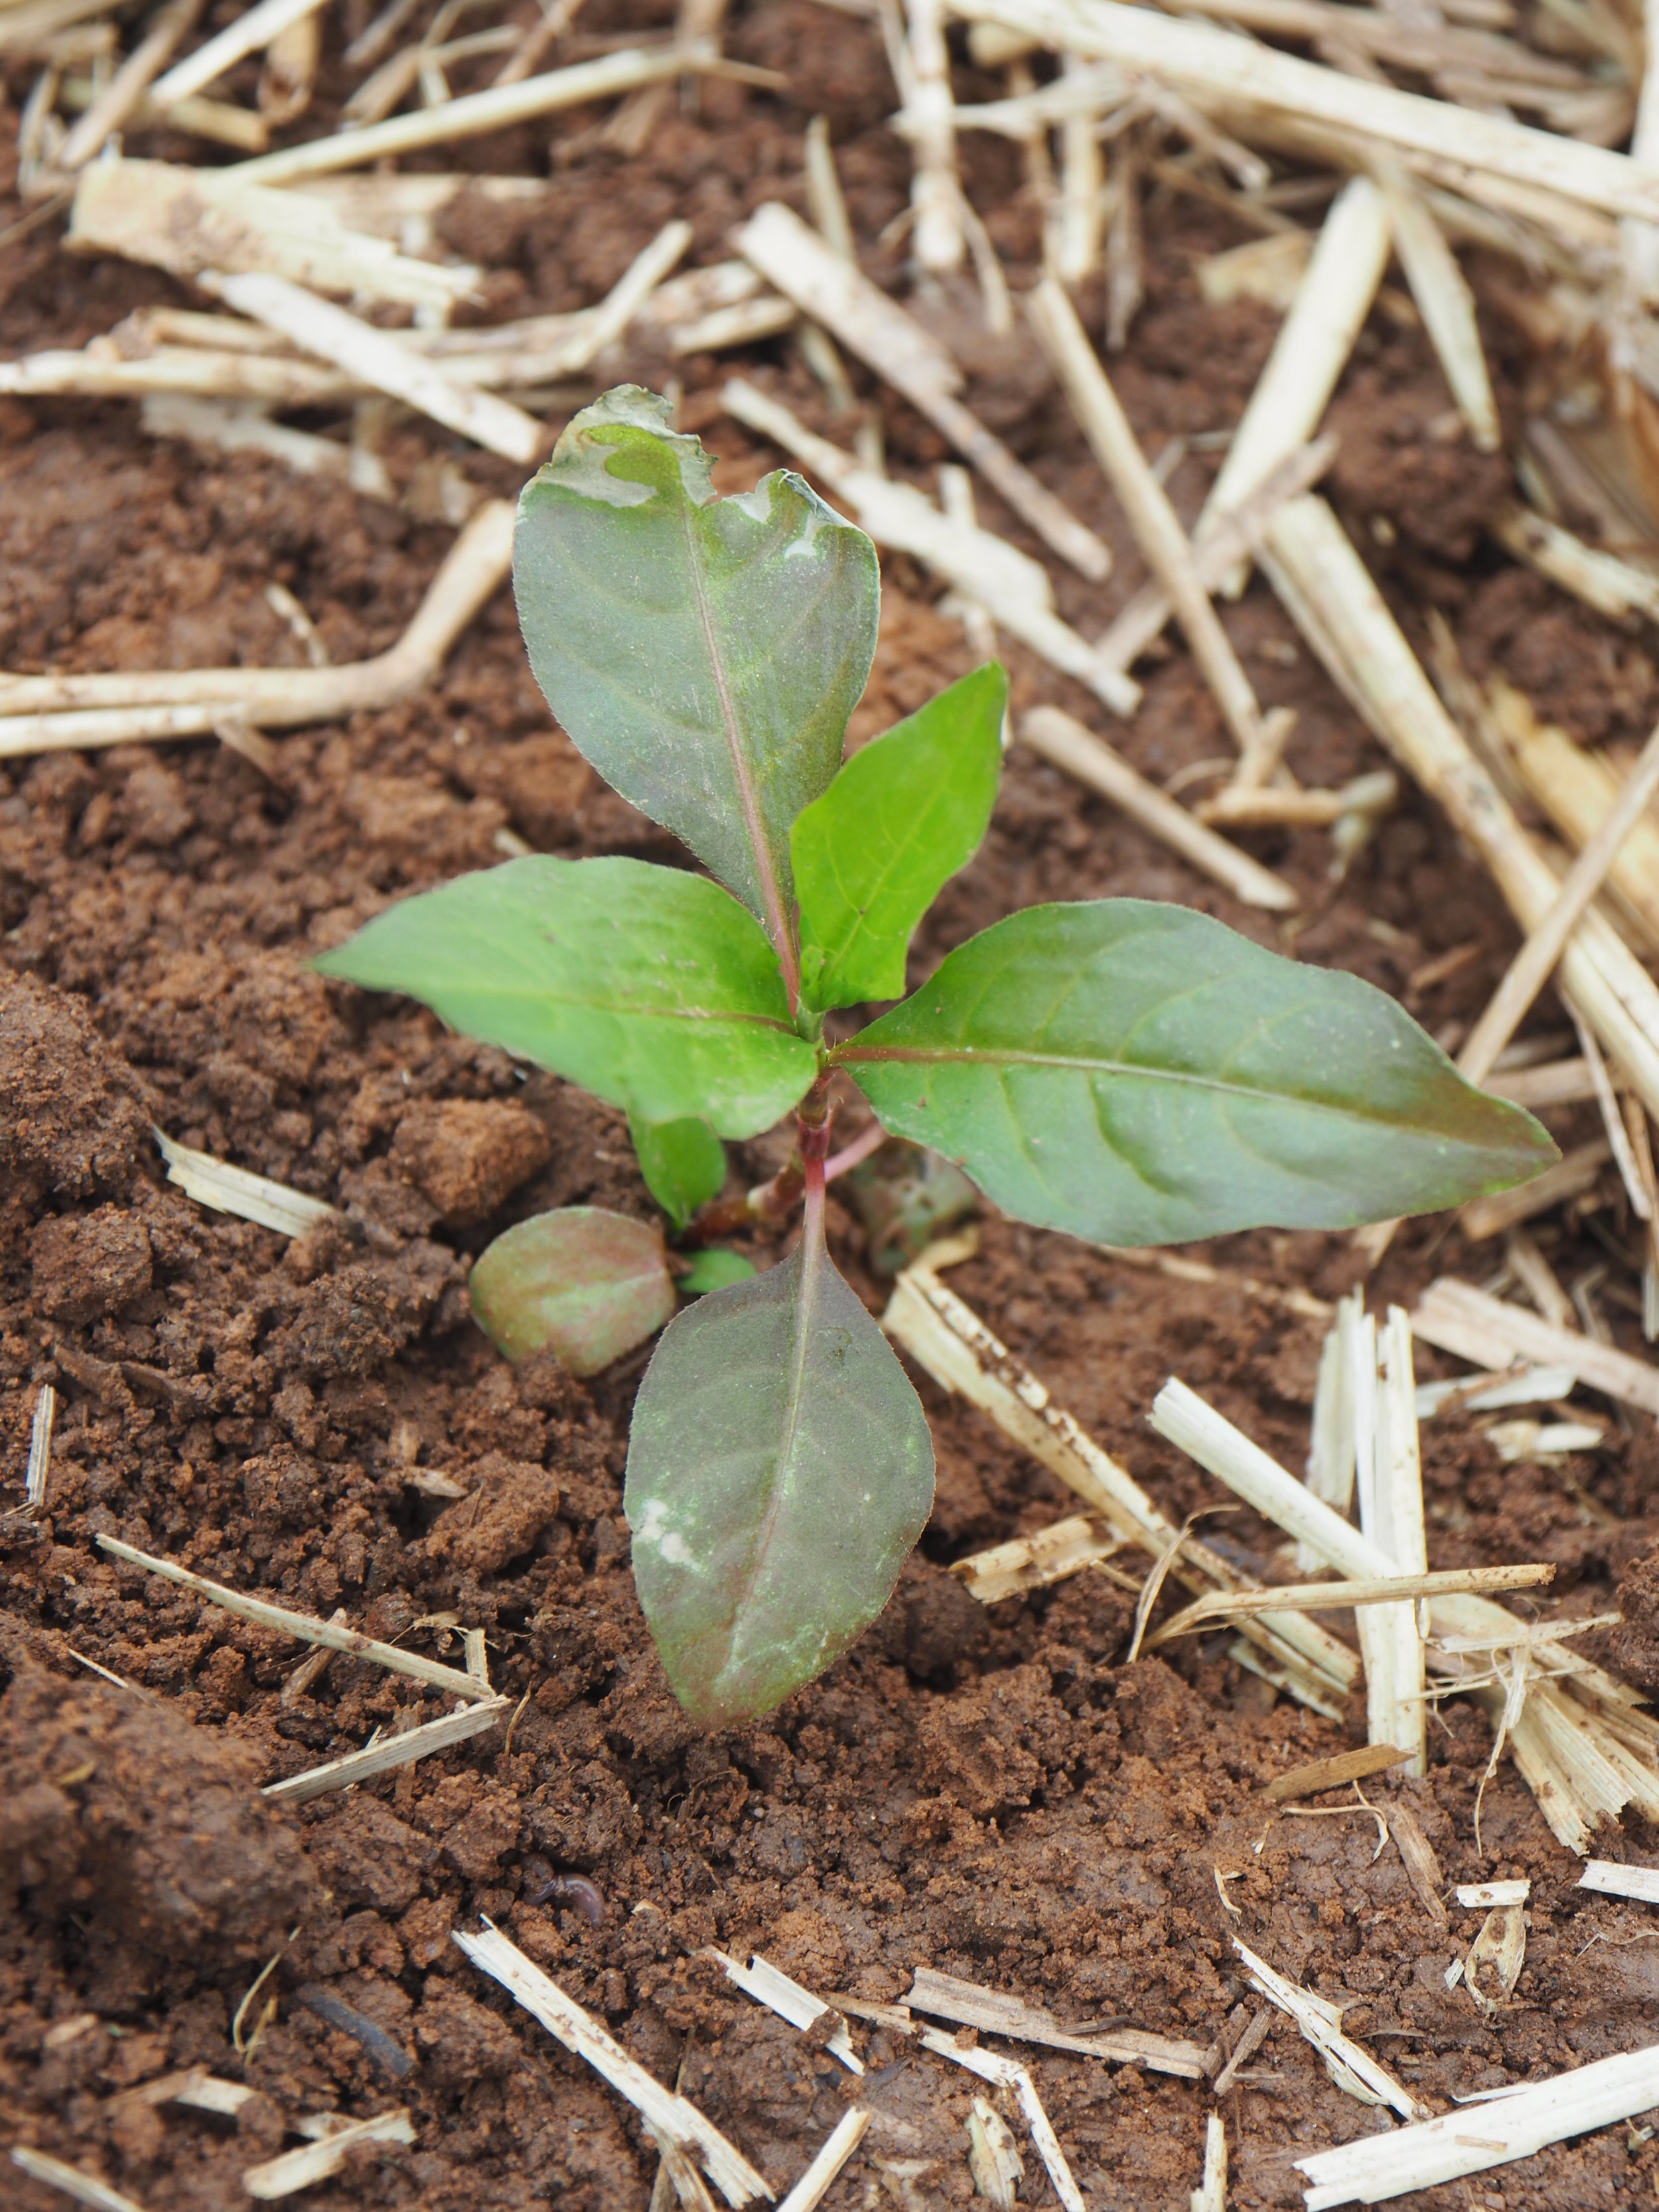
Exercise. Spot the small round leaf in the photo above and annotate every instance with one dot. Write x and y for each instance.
(581, 1282)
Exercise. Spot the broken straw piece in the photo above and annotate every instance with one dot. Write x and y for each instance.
(496, 109)
(772, 1988)
(254, 28)
(1473, 1325)
(1613, 1880)
(1380, 2167)
(1028, 1563)
(1321, 1774)
(389, 1751)
(1069, 744)
(318, 328)
(1482, 1896)
(1349, 2065)
(1211, 2195)
(314, 2162)
(1220, 67)
(947, 1997)
(666, 2114)
(795, 259)
(304, 1626)
(186, 220)
(83, 2187)
(1009, 2075)
(227, 1189)
(993, 2158)
(810, 2191)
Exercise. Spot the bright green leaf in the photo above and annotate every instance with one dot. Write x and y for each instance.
(684, 1163)
(1138, 1074)
(583, 1283)
(873, 854)
(779, 1471)
(704, 653)
(649, 986)
(715, 1269)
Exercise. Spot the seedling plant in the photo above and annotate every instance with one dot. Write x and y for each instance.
(1129, 1072)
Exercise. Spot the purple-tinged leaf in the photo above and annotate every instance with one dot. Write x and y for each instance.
(583, 1283)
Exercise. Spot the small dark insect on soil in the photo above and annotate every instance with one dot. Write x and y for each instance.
(572, 1889)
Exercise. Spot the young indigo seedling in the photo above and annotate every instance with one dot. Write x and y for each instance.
(1132, 1072)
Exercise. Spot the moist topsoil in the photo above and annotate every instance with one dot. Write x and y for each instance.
(994, 1794)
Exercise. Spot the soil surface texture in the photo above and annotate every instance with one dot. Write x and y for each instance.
(992, 1793)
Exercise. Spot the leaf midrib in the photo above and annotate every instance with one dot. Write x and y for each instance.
(850, 1055)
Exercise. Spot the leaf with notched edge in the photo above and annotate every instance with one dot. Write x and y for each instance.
(704, 653)
(1138, 1074)
(581, 1282)
(779, 1471)
(650, 986)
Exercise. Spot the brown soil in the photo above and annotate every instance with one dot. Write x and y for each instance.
(993, 1795)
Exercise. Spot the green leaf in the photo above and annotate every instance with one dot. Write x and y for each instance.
(715, 1269)
(1138, 1074)
(581, 1282)
(704, 653)
(779, 1471)
(684, 1163)
(649, 986)
(873, 854)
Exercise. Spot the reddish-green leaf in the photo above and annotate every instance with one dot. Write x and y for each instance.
(581, 1282)
(779, 1471)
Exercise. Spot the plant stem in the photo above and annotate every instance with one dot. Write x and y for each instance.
(812, 1125)
(867, 1141)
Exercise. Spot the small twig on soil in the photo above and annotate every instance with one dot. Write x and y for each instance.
(1379, 2167)
(1311, 350)
(1213, 66)
(1573, 1174)
(318, 327)
(1613, 1880)
(1228, 537)
(1008, 2075)
(1028, 1563)
(1249, 2043)
(935, 190)
(125, 90)
(83, 2187)
(315, 1664)
(1065, 742)
(304, 1626)
(392, 1751)
(1349, 2065)
(1534, 963)
(772, 1988)
(190, 220)
(1389, 1481)
(1334, 602)
(1443, 295)
(946, 1338)
(902, 519)
(496, 109)
(793, 257)
(252, 30)
(1211, 2195)
(1613, 587)
(1417, 1855)
(226, 1190)
(390, 2058)
(314, 2162)
(1335, 1773)
(947, 1997)
(1322, 1597)
(1157, 527)
(1492, 1333)
(49, 712)
(669, 2117)
(833, 2152)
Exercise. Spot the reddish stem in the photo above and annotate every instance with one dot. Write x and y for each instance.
(867, 1141)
